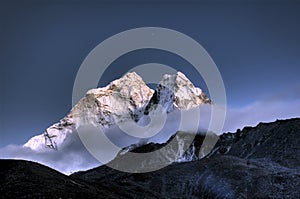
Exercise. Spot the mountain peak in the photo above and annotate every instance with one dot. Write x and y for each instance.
(124, 99)
(128, 81)
(119, 99)
(177, 92)
(179, 81)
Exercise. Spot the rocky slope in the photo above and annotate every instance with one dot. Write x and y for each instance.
(256, 162)
(24, 179)
(181, 147)
(260, 162)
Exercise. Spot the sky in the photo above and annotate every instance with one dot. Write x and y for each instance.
(255, 45)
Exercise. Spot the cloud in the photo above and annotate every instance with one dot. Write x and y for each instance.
(73, 156)
(69, 158)
(282, 105)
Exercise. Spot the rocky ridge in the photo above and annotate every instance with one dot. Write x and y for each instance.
(255, 162)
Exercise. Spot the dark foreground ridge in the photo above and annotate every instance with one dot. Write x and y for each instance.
(259, 162)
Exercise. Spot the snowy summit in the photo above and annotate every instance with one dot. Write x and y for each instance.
(127, 98)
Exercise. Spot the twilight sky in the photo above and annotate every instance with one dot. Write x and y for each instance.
(255, 44)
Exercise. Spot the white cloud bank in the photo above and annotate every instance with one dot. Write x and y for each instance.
(73, 156)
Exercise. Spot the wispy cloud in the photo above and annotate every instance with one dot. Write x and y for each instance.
(276, 106)
(72, 156)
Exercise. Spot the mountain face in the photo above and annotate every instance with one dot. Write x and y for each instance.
(256, 162)
(185, 147)
(177, 92)
(119, 101)
(124, 99)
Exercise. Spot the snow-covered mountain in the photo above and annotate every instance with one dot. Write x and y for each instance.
(124, 99)
(177, 92)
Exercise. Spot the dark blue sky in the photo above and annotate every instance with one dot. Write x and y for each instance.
(255, 45)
